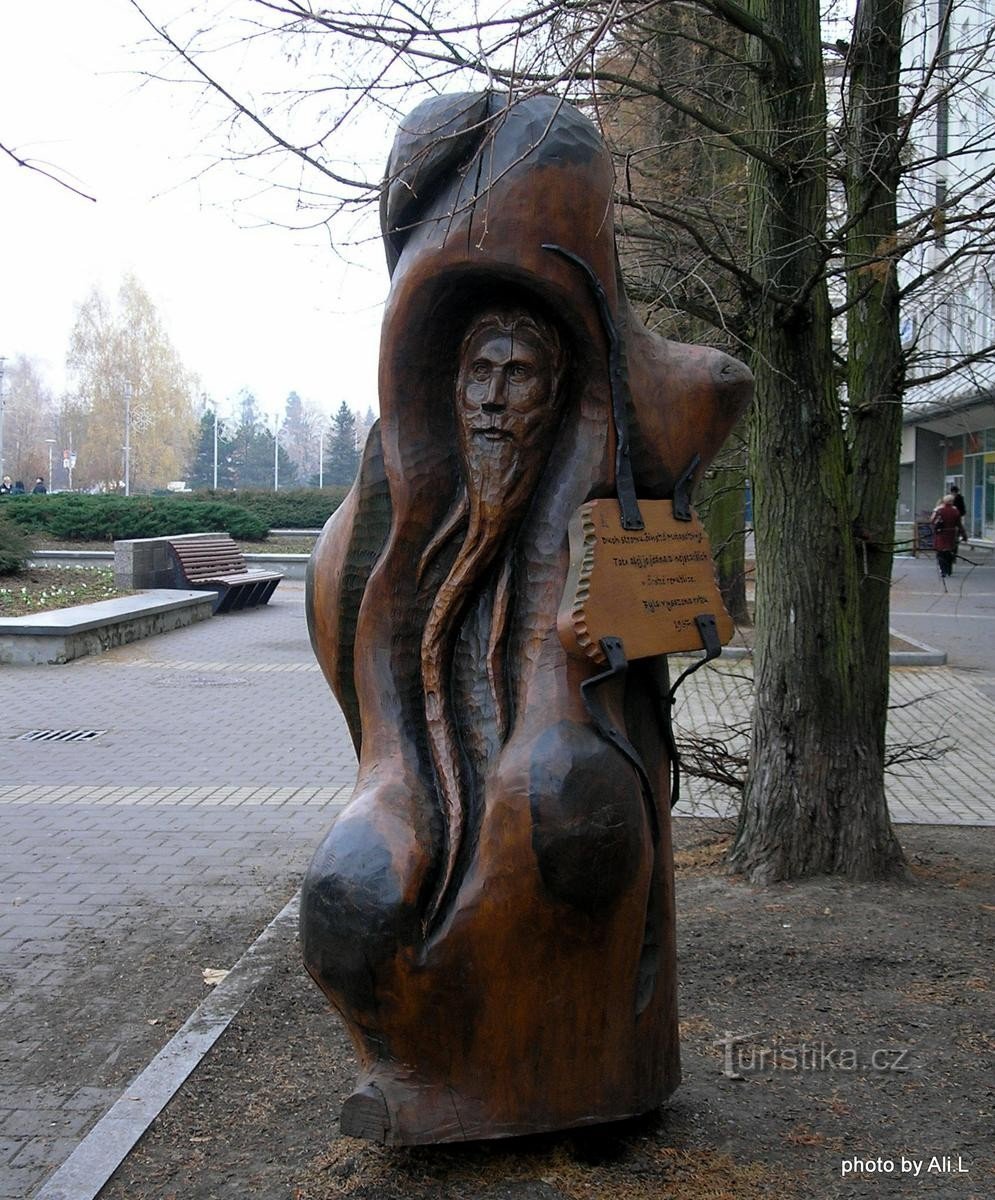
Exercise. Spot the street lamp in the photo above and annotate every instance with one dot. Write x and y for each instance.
(51, 443)
(70, 462)
(321, 457)
(127, 439)
(276, 453)
(2, 361)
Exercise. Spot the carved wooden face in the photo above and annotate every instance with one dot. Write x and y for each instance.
(506, 408)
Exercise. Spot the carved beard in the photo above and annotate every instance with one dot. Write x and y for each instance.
(498, 489)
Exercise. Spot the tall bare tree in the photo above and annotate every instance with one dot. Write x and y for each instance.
(131, 390)
(302, 423)
(30, 418)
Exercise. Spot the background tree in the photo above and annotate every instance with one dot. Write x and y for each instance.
(118, 346)
(363, 426)
(252, 450)
(341, 451)
(200, 472)
(30, 417)
(814, 800)
(299, 435)
(676, 179)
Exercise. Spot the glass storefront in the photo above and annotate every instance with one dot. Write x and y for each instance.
(979, 493)
(970, 464)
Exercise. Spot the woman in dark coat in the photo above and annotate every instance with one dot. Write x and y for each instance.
(947, 529)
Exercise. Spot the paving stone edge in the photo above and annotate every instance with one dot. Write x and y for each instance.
(105, 1147)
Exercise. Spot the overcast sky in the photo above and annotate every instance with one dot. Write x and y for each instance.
(258, 307)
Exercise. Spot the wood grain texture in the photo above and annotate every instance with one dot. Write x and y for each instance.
(492, 914)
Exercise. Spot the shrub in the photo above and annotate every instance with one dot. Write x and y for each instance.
(29, 512)
(14, 548)
(296, 508)
(74, 517)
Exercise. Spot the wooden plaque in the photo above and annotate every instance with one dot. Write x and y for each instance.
(644, 586)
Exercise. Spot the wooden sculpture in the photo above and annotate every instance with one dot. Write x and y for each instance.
(492, 914)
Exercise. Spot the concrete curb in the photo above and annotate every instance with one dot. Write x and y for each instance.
(71, 558)
(64, 634)
(922, 656)
(109, 1142)
(293, 566)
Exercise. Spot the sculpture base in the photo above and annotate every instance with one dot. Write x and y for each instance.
(365, 1114)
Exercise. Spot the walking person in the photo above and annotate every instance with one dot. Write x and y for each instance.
(958, 500)
(947, 529)
(39, 489)
(962, 509)
(6, 487)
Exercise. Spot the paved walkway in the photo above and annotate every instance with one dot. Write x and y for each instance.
(953, 784)
(131, 861)
(160, 846)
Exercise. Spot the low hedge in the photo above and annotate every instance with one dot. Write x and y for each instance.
(296, 508)
(14, 548)
(75, 517)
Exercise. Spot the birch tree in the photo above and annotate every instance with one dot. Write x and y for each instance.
(131, 389)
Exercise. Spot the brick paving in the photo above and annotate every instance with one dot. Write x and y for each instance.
(127, 860)
(927, 704)
(131, 861)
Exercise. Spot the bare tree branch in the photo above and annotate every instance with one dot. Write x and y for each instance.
(33, 166)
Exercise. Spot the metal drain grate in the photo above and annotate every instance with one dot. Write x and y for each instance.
(60, 735)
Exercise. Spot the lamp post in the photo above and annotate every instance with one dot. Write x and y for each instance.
(321, 457)
(51, 443)
(276, 454)
(215, 447)
(2, 361)
(127, 439)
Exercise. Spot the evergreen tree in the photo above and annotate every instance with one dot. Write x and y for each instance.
(248, 410)
(252, 446)
(342, 456)
(200, 473)
(252, 450)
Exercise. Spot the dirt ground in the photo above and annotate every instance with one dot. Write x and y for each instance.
(867, 1052)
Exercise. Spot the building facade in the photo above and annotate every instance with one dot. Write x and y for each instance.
(949, 278)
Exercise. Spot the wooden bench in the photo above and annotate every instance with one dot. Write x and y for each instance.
(213, 562)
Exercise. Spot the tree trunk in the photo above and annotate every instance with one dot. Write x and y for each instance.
(875, 363)
(723, 508)
(815, 765)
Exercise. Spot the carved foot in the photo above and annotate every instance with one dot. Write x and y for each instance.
(365, 1115)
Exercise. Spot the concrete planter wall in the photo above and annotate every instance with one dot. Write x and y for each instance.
(293, 566)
